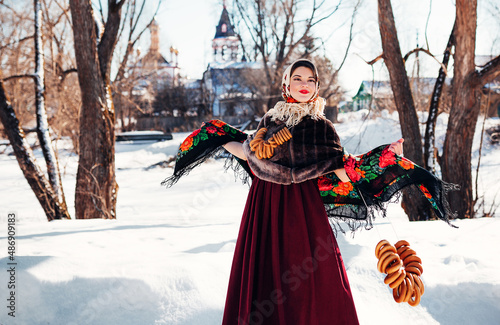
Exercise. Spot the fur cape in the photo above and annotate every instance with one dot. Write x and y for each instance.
(313, 150)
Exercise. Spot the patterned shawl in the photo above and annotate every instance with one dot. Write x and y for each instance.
(376, 177)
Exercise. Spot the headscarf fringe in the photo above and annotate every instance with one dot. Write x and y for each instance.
(293, 113)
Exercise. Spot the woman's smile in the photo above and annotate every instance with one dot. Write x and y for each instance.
(304, 91)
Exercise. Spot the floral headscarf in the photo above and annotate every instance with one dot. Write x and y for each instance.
(291, 111)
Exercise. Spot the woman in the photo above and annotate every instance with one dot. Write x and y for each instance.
(287, 267)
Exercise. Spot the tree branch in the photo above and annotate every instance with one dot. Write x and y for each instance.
(372, 62)
(489, 72)
(419, 49)
(65, 73)
(16, 41)
(65, 11)
(350, 34)
(131, 43)
(20, 76)
(108, 40)
(328, 15)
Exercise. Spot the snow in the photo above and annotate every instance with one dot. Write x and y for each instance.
(167, 258)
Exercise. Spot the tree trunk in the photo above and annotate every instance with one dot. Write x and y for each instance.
(456, 160)
(41, 113)
(430, 127)
(24, 155)
(96, 187)
(413, 203)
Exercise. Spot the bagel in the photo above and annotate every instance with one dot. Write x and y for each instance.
(393, 257)
(417, 265)
(413, 269)
(415, 298)
(379, 246)
(394, 267)
(399, 280)
(390, 278)
(399, 292)
(420, 284)
(387, 248)
(409, 287)
(382, 260)
(402, 243)
(402, 249)
(406, 253)
(268, 150)
(412, 258)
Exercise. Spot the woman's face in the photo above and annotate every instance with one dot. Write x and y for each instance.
(302, 84)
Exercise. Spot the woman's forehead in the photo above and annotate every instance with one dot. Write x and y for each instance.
(303, 71)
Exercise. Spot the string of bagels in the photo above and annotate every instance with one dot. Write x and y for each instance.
(264, 149)
(403, 268)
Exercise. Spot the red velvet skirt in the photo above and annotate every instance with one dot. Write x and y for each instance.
(287, 267)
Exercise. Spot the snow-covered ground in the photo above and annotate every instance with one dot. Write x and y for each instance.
(167, 257)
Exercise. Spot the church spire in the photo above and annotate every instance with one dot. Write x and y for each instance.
(224, 28)
(225, 42)
(155, 37)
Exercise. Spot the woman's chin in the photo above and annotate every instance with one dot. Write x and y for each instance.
(303, 98)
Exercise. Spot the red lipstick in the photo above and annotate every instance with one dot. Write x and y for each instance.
(303, 91)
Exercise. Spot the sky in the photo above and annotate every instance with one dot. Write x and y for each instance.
(189, 26)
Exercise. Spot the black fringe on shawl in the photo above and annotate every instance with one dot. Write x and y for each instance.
(371, 198)
(363, 218)
(203, 149)
(338, 216)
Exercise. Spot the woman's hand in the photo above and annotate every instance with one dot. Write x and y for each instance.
(397, 147)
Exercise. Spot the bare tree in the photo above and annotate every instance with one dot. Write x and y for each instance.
(467, 82)
(41, 113)
(17, 57)
(24, 155)
(412, 203)
(464, 111)
(96, 187)
(430, 127)
(61, 80)
(128, 76)
(49, 193)
(328, 74)
(277, 34)
(133, 13)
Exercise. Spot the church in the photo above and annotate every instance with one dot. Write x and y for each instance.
(221, 93)
(224, 78)
(154, 67)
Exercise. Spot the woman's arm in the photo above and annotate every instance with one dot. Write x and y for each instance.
(236, 149)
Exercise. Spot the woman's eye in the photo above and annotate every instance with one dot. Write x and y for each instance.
(296, 79)
(311, 80)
